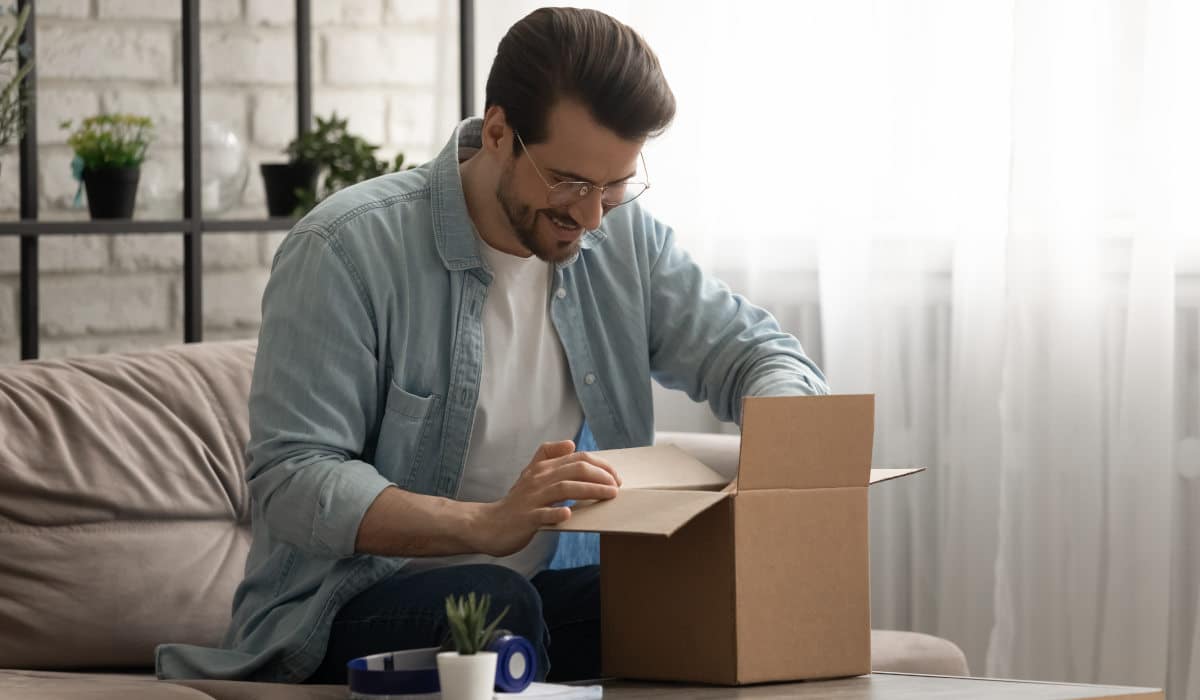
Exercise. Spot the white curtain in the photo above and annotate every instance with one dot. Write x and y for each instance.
(988, 215)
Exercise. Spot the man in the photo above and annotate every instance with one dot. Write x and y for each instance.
(434, 344)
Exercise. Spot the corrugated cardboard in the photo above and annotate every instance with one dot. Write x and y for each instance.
(763, 579)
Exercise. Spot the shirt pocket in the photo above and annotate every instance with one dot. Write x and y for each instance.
(404, 435)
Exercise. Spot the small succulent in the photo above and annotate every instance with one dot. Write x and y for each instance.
(467, 616)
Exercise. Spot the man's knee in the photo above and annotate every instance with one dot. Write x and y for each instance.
(512, 592)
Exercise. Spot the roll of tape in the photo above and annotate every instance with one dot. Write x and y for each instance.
(515, 662)
(415, 671)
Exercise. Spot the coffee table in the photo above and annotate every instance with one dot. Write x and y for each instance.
(885, 686)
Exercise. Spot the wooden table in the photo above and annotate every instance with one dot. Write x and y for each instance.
(885, 686)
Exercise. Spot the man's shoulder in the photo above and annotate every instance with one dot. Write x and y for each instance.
(387, 198)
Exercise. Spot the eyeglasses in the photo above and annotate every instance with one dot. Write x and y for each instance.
(568, 193)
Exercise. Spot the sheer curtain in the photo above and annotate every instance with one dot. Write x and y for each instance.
(986, 214)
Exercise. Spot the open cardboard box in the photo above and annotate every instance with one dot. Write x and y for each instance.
(765, 578)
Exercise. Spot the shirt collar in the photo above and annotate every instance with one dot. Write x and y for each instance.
(453, 231)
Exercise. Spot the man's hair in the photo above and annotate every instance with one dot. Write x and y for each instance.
(585, 55)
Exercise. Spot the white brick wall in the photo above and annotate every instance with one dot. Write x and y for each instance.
(63, 8)
(56, 106)
(8, 310)
(246, 56)
(107, 52)
(368, 57)
(93, 303)
(374, 61)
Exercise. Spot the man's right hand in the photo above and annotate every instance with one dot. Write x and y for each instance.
(557, 473)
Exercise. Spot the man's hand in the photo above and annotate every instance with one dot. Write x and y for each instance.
(556, 473)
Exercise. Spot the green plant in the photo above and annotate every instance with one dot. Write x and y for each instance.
(12, 105)
(111, 141)
(344, 158)
(467, 617)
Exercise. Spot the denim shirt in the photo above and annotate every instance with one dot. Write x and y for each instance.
(368, 369)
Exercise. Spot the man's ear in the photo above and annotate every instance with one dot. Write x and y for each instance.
(497, 136)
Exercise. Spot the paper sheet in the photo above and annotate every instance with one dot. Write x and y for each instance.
(554, 690)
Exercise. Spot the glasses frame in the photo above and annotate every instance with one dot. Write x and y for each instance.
(585, 188)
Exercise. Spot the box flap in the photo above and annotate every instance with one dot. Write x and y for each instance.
(878, 475)
(640, 512)
(662, 467)
(806, 442)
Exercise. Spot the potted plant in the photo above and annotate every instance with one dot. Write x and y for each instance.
(11, 104)
(345, 158)
(109, 150)
(284, 182)
(469, 673)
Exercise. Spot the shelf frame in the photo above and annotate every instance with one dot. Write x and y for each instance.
(193, 225)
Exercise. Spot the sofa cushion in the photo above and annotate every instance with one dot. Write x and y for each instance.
(123, 509)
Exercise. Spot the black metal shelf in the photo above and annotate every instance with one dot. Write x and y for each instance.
(191, 227)
(141, 226)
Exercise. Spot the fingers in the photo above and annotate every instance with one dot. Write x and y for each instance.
(588, 457)
(552, 450)
(577, 491)
(553, 516)
(580, 471)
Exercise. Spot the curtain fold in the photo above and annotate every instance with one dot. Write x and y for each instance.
(982, 213)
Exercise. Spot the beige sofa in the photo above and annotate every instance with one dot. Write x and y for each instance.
(123, 523)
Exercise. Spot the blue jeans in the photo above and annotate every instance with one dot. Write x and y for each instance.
(407, 611)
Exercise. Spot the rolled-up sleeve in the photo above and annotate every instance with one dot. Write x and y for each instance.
(715, 345)
(313, 399)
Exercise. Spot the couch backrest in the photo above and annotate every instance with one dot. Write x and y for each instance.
(123, 508)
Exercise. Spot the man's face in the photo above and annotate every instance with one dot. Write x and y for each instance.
(576, 148)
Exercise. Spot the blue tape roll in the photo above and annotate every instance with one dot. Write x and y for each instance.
(515, 663)
(415, 671)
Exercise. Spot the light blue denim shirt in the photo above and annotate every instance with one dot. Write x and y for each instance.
(368, 368)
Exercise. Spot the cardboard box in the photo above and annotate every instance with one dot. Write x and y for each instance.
(766, 578)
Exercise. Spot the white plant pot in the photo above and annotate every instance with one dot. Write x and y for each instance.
(471, 677)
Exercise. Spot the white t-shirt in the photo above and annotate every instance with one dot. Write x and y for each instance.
(525, 397)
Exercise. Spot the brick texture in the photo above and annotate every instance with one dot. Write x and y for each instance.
(380, 58)
(113, 52)
(244, 57)
(86, 304)
(56, 106)
(412, 11)
(373, 61)
(75, 9)
(8, 312)
(226, 295)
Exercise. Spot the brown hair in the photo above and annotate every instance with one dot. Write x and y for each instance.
(563, 52)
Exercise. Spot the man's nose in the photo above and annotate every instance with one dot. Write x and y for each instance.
(588, 211)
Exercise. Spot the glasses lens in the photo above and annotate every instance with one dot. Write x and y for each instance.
(566, 194)
(623, 193)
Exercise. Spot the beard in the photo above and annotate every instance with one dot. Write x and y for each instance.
(524, 220)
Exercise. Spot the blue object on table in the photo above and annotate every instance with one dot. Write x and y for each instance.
(415, 671)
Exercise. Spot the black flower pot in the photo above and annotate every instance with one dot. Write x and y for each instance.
(281, 180)
(111, 192)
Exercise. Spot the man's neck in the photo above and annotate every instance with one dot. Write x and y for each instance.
(479, 188)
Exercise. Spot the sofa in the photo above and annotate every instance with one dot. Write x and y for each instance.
(124, 523)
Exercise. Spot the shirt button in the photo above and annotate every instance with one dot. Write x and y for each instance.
(589, 378)
(561, 293)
